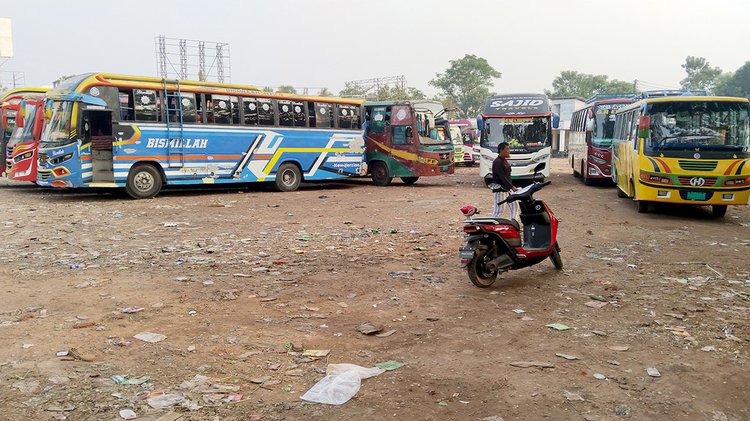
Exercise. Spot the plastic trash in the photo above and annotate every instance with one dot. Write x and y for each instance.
(363, 372)
(165, 401)
(334, 389)
(127, 414)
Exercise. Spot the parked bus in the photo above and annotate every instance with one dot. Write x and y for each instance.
(22, 154)
(683, 149)
(590, 142)
(9, 101)
(107, 130)
(402, 140)
(463, 135)
(524, 121)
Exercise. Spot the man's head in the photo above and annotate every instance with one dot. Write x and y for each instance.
(503, 149)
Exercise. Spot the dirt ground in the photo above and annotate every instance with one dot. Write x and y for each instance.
(241, 280)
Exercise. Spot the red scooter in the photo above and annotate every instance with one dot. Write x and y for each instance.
(495, 245)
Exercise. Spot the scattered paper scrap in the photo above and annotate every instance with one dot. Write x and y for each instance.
(389, 365)
(150, 337)
(566, 356)
(558, 326)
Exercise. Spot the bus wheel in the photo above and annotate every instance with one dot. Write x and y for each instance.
(642, 206)
(144, 181)
(380, 174)
(409, 180)
(288, 177)
(620, 193)
(719, 210)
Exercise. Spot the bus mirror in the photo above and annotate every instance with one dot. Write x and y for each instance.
(644, 125)
(539, 167)
(5, 119)
(589, 124)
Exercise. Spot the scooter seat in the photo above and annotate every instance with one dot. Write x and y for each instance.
(498, 221)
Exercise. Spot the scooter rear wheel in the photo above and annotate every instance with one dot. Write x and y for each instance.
(478, 273)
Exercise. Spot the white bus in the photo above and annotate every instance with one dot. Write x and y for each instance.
(524, 121)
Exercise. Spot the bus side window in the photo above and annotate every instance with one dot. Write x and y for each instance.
(348, 116)
(377, 120)
(323, 118)
(286, 116)
(187, 101)
(298, 109)
(250, 107)
(266, 115)
(146, 105)
(221, 109)
(126, 105)
(234, 102)
(209, 110)
(634, 130)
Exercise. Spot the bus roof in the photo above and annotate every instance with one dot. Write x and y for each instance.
(21, 91)
(683, 99)
(606, 101)
(83, 82)
(517, 105)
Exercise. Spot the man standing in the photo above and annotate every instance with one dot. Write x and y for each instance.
(501, 178)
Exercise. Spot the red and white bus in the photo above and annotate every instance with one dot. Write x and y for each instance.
(590, 145)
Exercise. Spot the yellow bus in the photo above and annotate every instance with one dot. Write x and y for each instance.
(683, 149)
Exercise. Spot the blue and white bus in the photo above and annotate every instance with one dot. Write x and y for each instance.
(524, 121)
(140, 133)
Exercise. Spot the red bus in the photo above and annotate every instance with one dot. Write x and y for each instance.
(22, 151)
(591, 132)
(9, 105)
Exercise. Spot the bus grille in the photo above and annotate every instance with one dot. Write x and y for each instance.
(43, 158)
(43, 174)
(698, 165)
(708, 181)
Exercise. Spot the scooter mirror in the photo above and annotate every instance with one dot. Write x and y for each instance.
(540, 166)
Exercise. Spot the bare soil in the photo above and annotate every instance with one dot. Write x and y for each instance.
(240, 280)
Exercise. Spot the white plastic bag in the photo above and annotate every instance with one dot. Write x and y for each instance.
(334, 389)
(364, 372)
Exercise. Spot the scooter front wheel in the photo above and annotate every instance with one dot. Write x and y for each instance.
(556, 259)
(478, 272)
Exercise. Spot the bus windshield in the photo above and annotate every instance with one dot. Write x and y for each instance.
(25, 133)
(604, 124)
(56, 131)
(699, 125)
(523, 134)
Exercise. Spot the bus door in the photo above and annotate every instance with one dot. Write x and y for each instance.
(97, 127)
(404, 147)
(8, 124)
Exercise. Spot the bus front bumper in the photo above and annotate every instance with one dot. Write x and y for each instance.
(694, 196)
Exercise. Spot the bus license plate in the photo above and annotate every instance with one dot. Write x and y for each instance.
(696, 195)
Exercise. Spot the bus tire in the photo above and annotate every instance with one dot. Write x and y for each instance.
(719, 210)
(144, 181)
(642, 206)
(621, 194)
(409, 180)
(379, 173)
(288, 177)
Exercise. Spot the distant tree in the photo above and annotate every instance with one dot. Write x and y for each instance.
(700, 74)
(286, 89)
(352, 90)
(467, 82)
(573, 83)
(268, 89)
(325, 92)
(734, 83)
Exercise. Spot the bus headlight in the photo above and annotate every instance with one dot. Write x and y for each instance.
(23, 156)
(60, 159)
(598, 160)
(541, 158)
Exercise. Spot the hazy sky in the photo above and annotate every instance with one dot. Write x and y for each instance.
(326, 42)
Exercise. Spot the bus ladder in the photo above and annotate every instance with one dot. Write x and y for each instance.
(176, 151)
